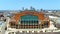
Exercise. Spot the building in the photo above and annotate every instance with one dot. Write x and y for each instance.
(28, 19)
(3, 23)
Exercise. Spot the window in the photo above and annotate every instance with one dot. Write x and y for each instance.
(29, 21)
(11, 33)
(46, 23)
(12, 24)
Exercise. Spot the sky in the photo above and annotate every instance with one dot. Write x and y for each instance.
(38, 4)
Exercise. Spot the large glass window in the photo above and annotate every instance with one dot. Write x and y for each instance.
(29, 20)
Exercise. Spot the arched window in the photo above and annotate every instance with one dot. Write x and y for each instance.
(29, 19)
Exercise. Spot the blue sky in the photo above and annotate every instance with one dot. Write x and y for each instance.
(38, 4)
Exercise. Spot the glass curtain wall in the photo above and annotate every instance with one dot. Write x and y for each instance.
(29, 20)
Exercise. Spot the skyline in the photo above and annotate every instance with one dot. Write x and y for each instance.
(38, 4)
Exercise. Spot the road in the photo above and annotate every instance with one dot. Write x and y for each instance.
(38, 33)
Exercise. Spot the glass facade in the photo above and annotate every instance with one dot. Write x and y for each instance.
(29, 20)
